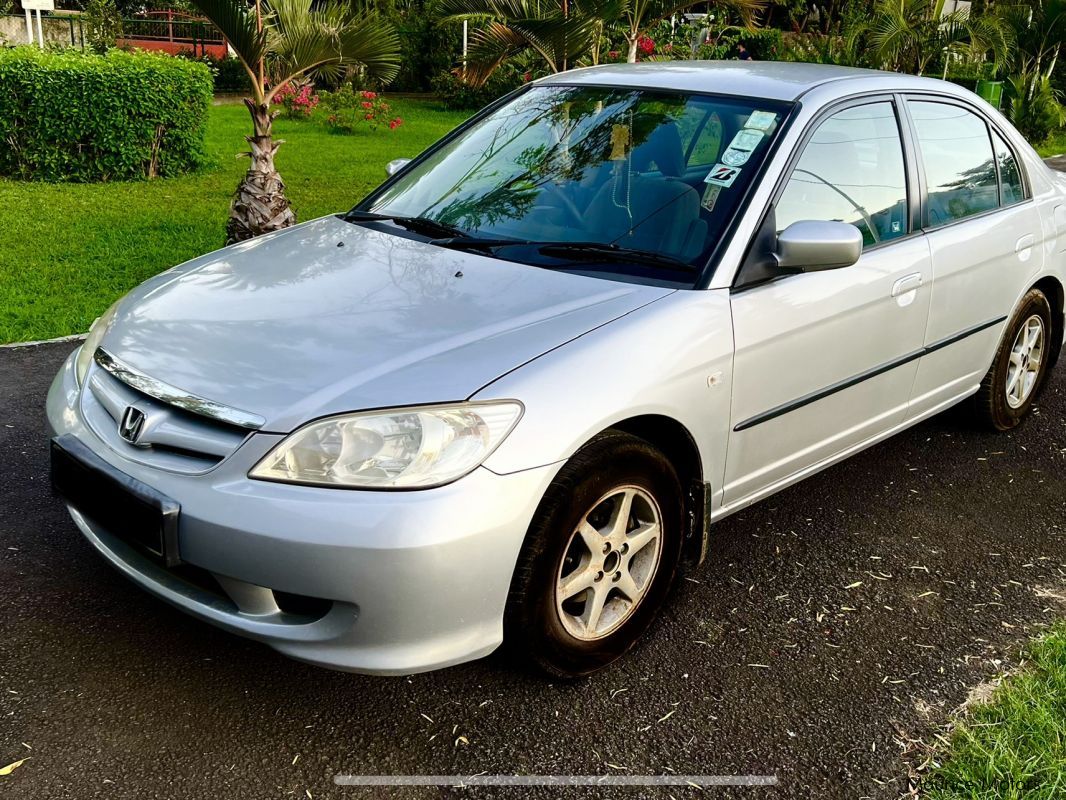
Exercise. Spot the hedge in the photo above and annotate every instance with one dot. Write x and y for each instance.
(75, 116)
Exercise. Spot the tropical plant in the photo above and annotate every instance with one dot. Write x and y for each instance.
(348, 109)
(1039, 29)
(103, 25)
(910, 35)
(278, 42)
(559, 32)
(299, 101)
(564, 32)
(1033, 108)
(637, 16)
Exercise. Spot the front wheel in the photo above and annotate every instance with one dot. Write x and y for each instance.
(599, 559)
(1020, 367)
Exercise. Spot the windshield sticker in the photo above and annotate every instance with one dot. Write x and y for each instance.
(736, 158)
(722, 175)
(761, 120)
(710, 196)
(746, 140)
(740, 149)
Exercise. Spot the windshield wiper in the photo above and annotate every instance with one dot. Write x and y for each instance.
(583, 251)
(599, 251)
(423, 225)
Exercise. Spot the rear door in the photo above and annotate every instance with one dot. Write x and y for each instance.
(985, 239)
(825, 361)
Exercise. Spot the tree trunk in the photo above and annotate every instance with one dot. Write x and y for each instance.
(259, 204)
(631, 57)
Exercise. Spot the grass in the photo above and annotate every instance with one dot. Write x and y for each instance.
(1014, 746)
(67, 251)
(1054, 146)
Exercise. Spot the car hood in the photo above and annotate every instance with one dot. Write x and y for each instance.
(328, 317)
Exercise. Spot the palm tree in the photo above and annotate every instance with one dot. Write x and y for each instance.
(1039, 30)
(562, 32)
(907, 35)
(279, 42)
(559, 32)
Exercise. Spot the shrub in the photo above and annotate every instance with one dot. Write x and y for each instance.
(458, 95)
(1033, 107)
(299, 101)
(348, 109)
(73, 116)
(430, 46)
(103, 24)
(229, 73)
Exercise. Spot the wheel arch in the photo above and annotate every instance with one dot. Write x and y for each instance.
(1052, 289)
(677, 443)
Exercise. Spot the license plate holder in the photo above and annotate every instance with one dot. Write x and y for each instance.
(120, 504)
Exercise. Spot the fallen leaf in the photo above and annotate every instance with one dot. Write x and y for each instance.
(12, 767)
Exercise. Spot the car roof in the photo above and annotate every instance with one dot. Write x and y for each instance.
(772, 80)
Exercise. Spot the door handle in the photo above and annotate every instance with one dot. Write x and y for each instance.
(907, 284)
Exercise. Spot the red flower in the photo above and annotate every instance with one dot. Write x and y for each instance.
(527, 77)
(646, 45)
(396, 123)
(612, 54)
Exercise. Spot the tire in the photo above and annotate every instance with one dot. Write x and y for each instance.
(566, 637)
(1003, 402)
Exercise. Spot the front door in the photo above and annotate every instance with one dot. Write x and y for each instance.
(825, 361)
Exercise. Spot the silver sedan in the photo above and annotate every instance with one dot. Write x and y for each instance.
(504, 398)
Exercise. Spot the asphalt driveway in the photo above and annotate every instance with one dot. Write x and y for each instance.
(829, 624)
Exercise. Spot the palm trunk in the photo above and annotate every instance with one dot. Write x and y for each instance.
(631, 57)
(259, 205)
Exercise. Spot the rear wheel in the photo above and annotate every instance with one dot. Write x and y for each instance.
(1020, 367)
(599, 559)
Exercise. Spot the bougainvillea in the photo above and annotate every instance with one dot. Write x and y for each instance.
(299, 102)
(349, 109)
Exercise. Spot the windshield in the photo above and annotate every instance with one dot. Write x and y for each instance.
(591, 178)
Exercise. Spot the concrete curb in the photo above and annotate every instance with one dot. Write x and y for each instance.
(77, 337)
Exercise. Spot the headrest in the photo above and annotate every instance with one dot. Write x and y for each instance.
(663, 149)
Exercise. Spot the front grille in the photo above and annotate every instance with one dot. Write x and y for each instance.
(172, 438)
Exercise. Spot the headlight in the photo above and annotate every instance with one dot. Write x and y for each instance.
(403, 448)
(92, 341)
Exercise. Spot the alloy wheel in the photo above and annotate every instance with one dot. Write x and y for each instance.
(609, 563)
(1026, 356)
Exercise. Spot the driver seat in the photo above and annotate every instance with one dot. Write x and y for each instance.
(648, 211)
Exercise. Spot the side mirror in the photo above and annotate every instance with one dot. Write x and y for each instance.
(396, 165)
(812, 246)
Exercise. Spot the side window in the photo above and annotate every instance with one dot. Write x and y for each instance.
(957, 154)
(851, 170)
(1010, 177)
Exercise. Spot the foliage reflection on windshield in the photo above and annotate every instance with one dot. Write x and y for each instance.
(646, 170)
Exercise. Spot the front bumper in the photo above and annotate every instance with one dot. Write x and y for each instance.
(414, 580)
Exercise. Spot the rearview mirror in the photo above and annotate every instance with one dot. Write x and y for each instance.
(396, 165)
(812, 246)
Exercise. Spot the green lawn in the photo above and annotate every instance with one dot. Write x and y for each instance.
(1055, 146)
(68, 250)
(1014, 747)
